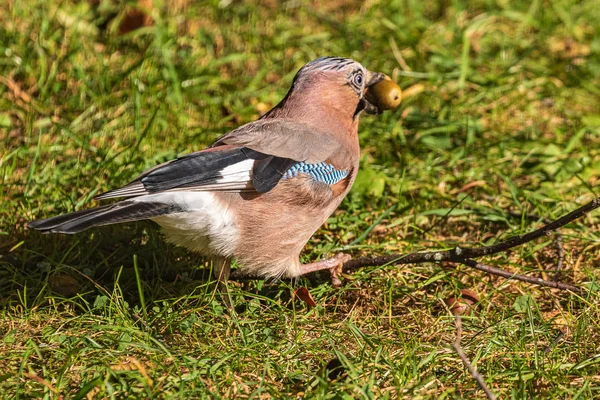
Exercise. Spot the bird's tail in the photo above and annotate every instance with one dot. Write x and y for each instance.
(123, 211)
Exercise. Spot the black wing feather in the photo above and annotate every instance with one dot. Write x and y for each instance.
(203, 171)
(124, 211)
(195, 169)
(268, 172)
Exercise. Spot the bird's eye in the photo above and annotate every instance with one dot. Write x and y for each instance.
(358, 80)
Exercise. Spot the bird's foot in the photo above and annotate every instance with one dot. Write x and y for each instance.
(336, 270)
(333, 264)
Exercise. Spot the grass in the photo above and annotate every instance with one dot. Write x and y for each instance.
(505, 116)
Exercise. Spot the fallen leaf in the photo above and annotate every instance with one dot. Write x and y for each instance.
(303, 294)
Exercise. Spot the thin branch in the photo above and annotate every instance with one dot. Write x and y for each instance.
(561, 255)
(557, 339)
(509, 275)
(476, 375)
(558, 238)
(476, 252)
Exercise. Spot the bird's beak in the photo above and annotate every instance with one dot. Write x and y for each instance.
(365, 104)
(375, 77)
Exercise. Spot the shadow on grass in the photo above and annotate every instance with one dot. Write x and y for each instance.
(103, 260)
(69, 265)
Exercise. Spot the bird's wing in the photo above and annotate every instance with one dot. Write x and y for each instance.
(226, 168)
(284, 138)
(252, 158)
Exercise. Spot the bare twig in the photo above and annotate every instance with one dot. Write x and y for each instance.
(557, 339)
(476, 252)
(561, 255)
(558, 239)
(476, 375)
(509, 275)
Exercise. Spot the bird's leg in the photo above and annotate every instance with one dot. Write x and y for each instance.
(221, 270)
(333, 264)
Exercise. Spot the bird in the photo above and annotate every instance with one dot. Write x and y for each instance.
(260, 191)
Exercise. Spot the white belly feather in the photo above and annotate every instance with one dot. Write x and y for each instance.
(206, 226)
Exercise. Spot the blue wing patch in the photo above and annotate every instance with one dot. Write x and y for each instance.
(321, 172)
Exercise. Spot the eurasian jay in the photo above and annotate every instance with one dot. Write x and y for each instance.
(260, 191)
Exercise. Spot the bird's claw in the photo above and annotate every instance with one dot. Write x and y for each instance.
(340, 259)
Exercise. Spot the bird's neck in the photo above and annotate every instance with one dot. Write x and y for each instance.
(322, 112)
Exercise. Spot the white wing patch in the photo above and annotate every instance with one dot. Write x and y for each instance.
(236, 175)
(239, 172)
(233, 178)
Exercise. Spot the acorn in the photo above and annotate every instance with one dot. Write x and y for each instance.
(464, 304)
(385, 94)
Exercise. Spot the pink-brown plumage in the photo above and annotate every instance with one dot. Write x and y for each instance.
(261, 191)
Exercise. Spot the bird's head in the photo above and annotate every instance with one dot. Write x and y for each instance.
(337, 82)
